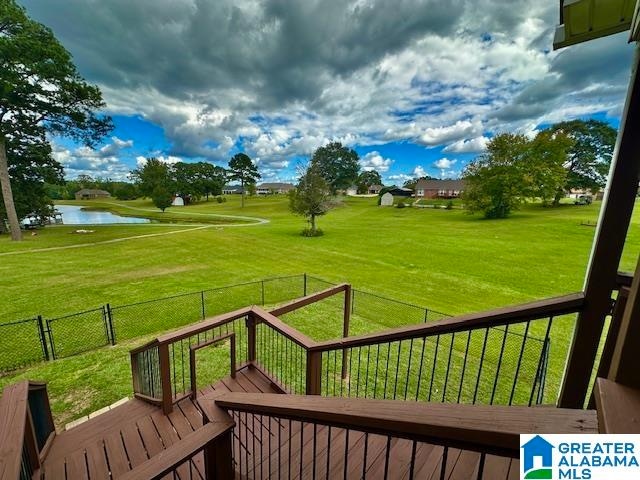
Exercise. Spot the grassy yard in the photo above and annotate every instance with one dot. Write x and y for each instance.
(442, 259)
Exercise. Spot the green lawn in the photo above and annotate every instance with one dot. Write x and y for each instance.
(442, 259)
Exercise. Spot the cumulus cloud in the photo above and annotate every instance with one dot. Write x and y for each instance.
(281, 78)
(473, 145)
(375, 161)
(419, 172)
(104, 162)
(444, 163)
(170, 159)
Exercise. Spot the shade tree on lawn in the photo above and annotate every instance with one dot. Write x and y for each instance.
(311, 198)
(40, 92)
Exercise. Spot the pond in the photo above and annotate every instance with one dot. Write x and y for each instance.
(74, 215)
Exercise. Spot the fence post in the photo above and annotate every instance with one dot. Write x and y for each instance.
(305, 285)
(348, 297)
(110, 323)
(202, 303)
(165, 378)
(353, 300)
(251, 337)
(262, 285)
(314, 373)
(43, 339)
(51, 343)
(426, 313)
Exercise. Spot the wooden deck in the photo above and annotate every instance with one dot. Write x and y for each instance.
(119, 440)
(112, 444)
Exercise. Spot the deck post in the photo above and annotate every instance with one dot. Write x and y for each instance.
(218, 458)
(624, 361)
(615, 216)
(345, 327)
(165, 378)
(251, 337)
(314, 373)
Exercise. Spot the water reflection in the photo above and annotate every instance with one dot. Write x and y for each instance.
(74, 215)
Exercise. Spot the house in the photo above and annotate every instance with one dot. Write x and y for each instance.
(433, 188)
(374, 189)
(91, 193)
(231, 189)
(400, 191)
(274, 188)
(358, 411)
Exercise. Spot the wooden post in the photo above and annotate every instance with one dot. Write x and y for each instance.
(345, 327)
(614, 331)
(613, 224)
(165, 378)
(624, 362)
(314, 373)
(251, 337)
(218, 458)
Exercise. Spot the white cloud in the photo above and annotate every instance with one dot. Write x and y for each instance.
(473, 145)
(399, 178)
(444, 163)
(419, 172)
(375, 161)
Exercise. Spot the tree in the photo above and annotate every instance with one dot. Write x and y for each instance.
(242, 168)
(40, 91)
(126, 191)
(151, 175)
(366, 179)
(199, 179)
(311, 197)
(32, 170)
(162, 197)
(496, 182)
(589, 158)
(338, 165)
(545, 159)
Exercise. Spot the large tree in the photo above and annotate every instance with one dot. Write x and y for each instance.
(242, 168)
(367, 179)
(588, 159)
(545, 171)
(31, 168)
(40, 91)
(311, 197)
(495, 182)
(338, 165)
(153, 174)
(199, 179)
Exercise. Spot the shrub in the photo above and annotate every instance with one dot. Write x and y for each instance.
(221, 199)
(400, 205)
(449, 205)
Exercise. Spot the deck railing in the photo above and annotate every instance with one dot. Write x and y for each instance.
(495, 357)
(27, 430)
(163, 370)
(502, 356)
(280, 436)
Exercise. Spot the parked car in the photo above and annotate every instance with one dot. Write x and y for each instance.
(584, 200)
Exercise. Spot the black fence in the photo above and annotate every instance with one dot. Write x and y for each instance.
(30, 341)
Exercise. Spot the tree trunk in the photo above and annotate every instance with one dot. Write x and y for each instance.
(556, 199)
(313, 224)
(241, 193)
(7, 194)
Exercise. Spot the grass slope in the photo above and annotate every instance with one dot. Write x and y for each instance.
(445, 260)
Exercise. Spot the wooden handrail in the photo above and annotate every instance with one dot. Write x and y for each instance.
(207, 324)
(278, 325)
(167, 460)
(565, 304)
(487, 429)
(309, 299)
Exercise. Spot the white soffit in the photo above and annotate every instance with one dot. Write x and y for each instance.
(584, 20)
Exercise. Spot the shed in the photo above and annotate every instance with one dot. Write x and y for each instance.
(386, 200)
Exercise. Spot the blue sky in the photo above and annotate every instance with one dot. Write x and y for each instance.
(415, 86)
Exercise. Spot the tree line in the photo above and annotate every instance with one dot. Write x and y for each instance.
(566, 156)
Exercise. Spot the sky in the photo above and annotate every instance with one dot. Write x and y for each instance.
(415, 87)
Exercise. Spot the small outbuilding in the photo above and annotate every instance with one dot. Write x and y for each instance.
(177, 202)
(386, 200)
(91, 193)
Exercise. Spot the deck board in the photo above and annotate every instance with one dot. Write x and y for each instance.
(109, 445)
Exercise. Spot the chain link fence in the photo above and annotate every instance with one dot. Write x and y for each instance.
(30, 341)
